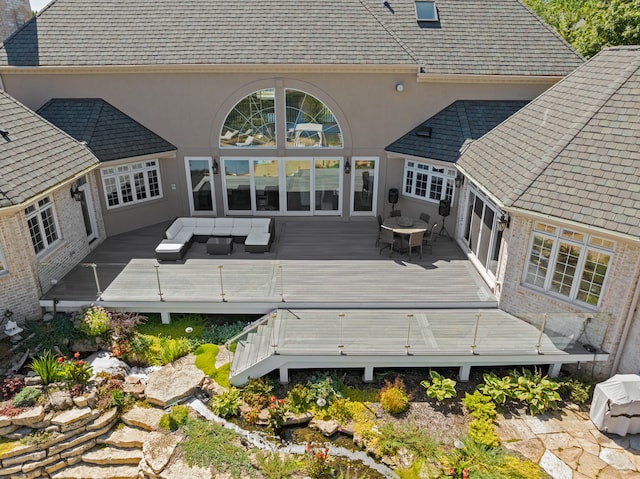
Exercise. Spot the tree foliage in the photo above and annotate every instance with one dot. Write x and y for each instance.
(591, 25)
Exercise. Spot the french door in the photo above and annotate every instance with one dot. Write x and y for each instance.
(200, 183)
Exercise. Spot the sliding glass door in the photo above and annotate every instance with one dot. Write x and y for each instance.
(285, 186)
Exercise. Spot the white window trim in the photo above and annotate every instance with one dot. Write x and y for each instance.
(4, 269)
(585, 246)
(37, 214)
(448, 178)
(209, 161)
(374, 192)
(117, 171)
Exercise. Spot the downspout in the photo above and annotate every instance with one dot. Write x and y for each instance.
(627, 327)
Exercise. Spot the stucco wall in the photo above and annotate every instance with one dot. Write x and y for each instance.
(620, 283)
(188, 110)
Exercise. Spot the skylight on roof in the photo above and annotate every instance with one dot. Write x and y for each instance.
(426, 11)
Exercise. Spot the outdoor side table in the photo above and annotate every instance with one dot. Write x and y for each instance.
(219, 245)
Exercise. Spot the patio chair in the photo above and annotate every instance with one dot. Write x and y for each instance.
(387, 239)
(246, 142)
(430, 237)
(379, 229)
(413, 242)
(395, 213)
(229, 134)
(425, 217)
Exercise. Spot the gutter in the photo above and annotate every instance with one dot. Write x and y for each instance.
(482, 78)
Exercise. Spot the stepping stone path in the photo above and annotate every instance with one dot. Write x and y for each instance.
(567, 445)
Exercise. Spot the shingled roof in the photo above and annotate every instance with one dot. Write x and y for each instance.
(500, 37)
(442, 136)
(109, 133)
(573, 152)
(34, 154)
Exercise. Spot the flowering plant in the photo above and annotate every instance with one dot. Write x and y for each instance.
(75, 372)
(95, 321)
(277, 411)
(317, 462)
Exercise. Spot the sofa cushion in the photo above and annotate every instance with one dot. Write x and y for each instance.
(203, 231)
(184, 236)
(257, 238)
(169, 246)
(241, 227)
(174, 229)
(189, 221)
(205, 222)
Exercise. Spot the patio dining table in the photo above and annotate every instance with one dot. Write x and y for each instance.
(405, 225)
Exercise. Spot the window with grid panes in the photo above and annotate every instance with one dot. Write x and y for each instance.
(42, 224)
(428, 182)
(133, 183)
(568, 263)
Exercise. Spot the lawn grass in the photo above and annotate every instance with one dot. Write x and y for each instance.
(176, 329)
(206, 358)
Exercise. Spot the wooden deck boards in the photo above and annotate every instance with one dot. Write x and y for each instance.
(332, 264)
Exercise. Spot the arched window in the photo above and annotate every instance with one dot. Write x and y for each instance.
(310, 123)
(253, 122)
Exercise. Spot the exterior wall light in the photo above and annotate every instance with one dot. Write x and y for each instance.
(504, 222)
(216, 167)
(347, 166)
(399, 87)
(459, 180)
(76, 194)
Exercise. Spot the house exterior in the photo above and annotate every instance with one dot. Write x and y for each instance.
(560, 183)
(49, 218)
(290, 109)
(287, 119)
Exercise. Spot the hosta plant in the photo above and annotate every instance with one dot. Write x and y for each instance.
(498, 389)
(538, 392)
(227, 404)
(440, 388)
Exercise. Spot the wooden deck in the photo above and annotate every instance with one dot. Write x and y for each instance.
(368, 338)
(312, 264)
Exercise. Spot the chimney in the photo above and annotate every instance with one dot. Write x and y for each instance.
(13, 14)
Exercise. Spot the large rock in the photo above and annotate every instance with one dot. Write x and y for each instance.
(110, 456)
(29, 417)
(181, 470)
(104, 361)
(174, 382)
(60, 400)
(143, 417)
(158, 449)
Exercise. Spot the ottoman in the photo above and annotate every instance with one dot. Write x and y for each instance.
(168, 250)
(219, 245)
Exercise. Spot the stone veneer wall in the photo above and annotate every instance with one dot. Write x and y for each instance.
(30, 276)
(13, 14)
(518, 299)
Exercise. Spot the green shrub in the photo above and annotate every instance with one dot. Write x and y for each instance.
(48, 367)
(324, 389)
(274, 465)
(578, 390)
(76, 372)
(27, 397)
(393, 438)
(221, 376)
(440, 388)
(393, 397)
(175, 418)
(482, 431)
(172, 349)
(299, 399)
(221, 333)
(257, 392)
(209, 444)
(538, 392)
(227, 404)
(498, 389)
(479, 405)
(341, 410)
(95, 321)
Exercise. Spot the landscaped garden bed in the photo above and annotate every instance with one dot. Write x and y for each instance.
(419, 423)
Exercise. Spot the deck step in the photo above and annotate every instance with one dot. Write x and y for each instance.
(238, 358)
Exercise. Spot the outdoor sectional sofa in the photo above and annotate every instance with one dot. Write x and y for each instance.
(256, 233)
